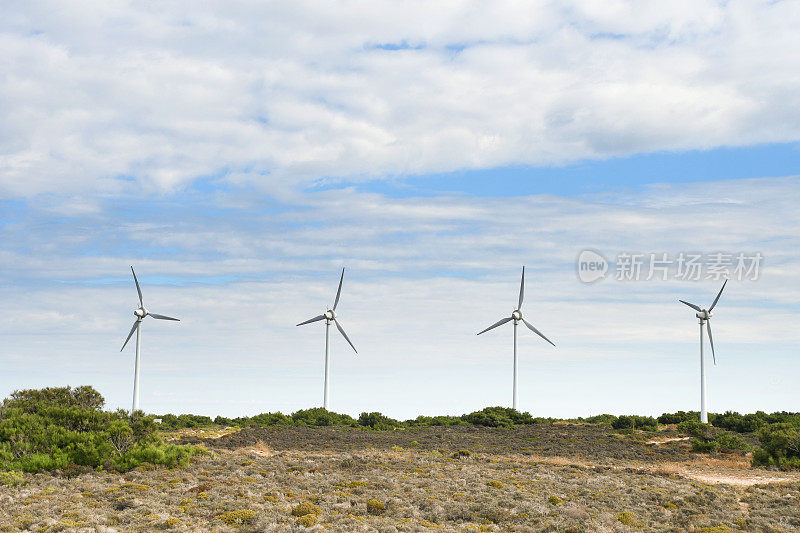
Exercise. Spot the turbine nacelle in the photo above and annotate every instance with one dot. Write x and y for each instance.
(704, 315)
(517, 315)
(330, 315)
(141, 312)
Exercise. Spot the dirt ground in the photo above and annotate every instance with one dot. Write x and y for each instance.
(539, 478)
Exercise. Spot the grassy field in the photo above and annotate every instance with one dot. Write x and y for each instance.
(559, 477)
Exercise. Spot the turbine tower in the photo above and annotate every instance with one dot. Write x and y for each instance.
(705, 320)
(140, 313)
(516, 316)
(330, 316)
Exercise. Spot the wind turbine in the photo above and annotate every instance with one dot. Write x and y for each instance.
(330, 316)
(516, 316)
(140, 313)
(705, 319)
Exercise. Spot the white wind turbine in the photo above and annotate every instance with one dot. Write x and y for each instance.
(705, 319)
(330, 316)
(140, 313)
(516, 316)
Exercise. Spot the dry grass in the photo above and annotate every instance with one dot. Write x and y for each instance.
(375, 488)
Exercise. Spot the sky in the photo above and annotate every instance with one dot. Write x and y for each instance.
(238, 155)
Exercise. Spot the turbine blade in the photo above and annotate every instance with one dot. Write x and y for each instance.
(521, 288)
(711, 340)
(338, 292)
(138, 289)
(498, 323)
(533, 329)
(162, 317)
(310, 320)
(690, 305)
(718, 295)
(341, 330)
(135, 325)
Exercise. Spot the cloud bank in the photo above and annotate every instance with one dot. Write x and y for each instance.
(124, 97)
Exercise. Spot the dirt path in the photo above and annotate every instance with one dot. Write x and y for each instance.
(728, 471)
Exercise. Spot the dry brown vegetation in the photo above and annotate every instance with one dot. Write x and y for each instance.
(543, 477)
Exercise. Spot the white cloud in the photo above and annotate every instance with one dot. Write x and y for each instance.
(281, 95)
(424, 275)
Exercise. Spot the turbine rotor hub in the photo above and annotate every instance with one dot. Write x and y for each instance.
(141, 312)
(330, 315)
(516, 315)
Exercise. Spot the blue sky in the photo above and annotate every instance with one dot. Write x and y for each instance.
(239, 156)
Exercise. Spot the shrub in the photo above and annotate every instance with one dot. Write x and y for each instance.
(307, 520)
(555, 500)
(306, 508)
(504, 417)
(604, 419)
(320, 416)
(647, 423)
(425, 421)
(377, 421)
(375, 507)
(64, 428)
(695, 428)
(239, 517)
(677, 418)
(12, 479)
(627, 519)
(780, 446)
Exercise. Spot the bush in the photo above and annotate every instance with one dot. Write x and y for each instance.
(12, 479)
(504, 417)
(306, 508)
(780, 446)
(706, 439)
(647, 423)
(239, 517)
(375, 507)
(320, 416)
(605, 420)
(377, 421)
(63, 428)
(442, 420)
(677, 418)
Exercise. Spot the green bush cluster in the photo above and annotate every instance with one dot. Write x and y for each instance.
(708, 439)
(733, 421)
(504, 417)
(647, 423)
(377, 421)
(54, 428)
(780, 446)
(170, 421)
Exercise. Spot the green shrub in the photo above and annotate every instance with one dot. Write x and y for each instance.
(320, 416)
(64, 428)
(12, 479)
(647, 423)
(240, 517)
(504, 417)
(377, 421)
(696, 429)
(375, 507)
(306, 508)
(780, 446)
(435, 421)
(677, 418)
(307, 520)
(604, 419)
(628, 519)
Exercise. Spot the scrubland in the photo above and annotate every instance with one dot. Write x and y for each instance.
(544, 477)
